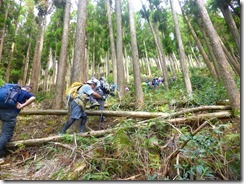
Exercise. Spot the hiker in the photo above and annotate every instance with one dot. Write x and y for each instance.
(103, 90)
(8, 116)
(127, 89)
(93, 100)
(113, 87)
(155, 83)
(78, 106)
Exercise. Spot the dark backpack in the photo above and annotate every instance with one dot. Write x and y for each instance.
(8, 95)
(104, 86)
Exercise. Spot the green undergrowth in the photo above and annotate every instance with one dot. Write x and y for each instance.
(139, 152)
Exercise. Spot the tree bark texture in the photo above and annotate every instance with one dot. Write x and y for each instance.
(139, 100)
(224, 66)
(120, 65)
(112, 44)
(79, 68)
(36, 66)
(136, 114)
(57, 104)
(184, 66)
(201, 49)
(3, 33)
(232, 26)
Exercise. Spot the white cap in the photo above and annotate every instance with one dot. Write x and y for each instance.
(90, 82)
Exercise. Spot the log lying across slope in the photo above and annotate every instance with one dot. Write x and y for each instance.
(135, 114)
(193, 118)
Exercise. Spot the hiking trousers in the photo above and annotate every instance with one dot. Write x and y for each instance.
(77, 113)
(8, 118)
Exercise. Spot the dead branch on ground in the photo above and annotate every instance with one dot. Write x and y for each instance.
(99, 133)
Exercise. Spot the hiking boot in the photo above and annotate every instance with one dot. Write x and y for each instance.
(61, 133)
(2, 161)
(94, 105)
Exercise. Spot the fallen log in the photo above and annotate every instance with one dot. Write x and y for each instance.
(135, 114)
(196, 118)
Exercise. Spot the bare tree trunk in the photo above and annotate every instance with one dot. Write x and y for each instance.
(55, 69)
(172, 64)
(93, 68)
(107, 64)
(79, 68)
(232, 26)
(3, 33)
(9, 63)
(126, 65)
(120, 66)
(200, 47)
(225, 71)
(112, 45)
(184, 67)
(235, 65)
(59, 92)
(147, 60)
(26, 66)
(210, 49)
(161, 54)
(135, 57)
(36, 66)
(177, 65)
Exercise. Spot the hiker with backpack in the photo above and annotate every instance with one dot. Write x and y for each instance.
(78, 106)
(101, 88)
(16, 98)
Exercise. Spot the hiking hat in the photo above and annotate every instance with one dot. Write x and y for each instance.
(91, 82)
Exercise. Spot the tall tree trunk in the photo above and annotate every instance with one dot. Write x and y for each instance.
(172, 63)
(26, 65)
(225, 70)
(184, 67)
(126, 65)
(48, 65)
(147, 60)
(120, 65)
(235, 64)
(107, 69)
(8, 71)
(79, 68)
(55, 69)
(210, 49)
(162, 59)
(112, 45)
(10, 62)
(201, 49)
(177, 65)
(93, 60)
(36, 66)
(3, 33)
(135, 60)
(232, 26)
(57, 104)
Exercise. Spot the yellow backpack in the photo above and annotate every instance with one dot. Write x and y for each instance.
(72, 91)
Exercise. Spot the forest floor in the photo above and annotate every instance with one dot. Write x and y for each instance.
(69, 160)
(23, 163)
